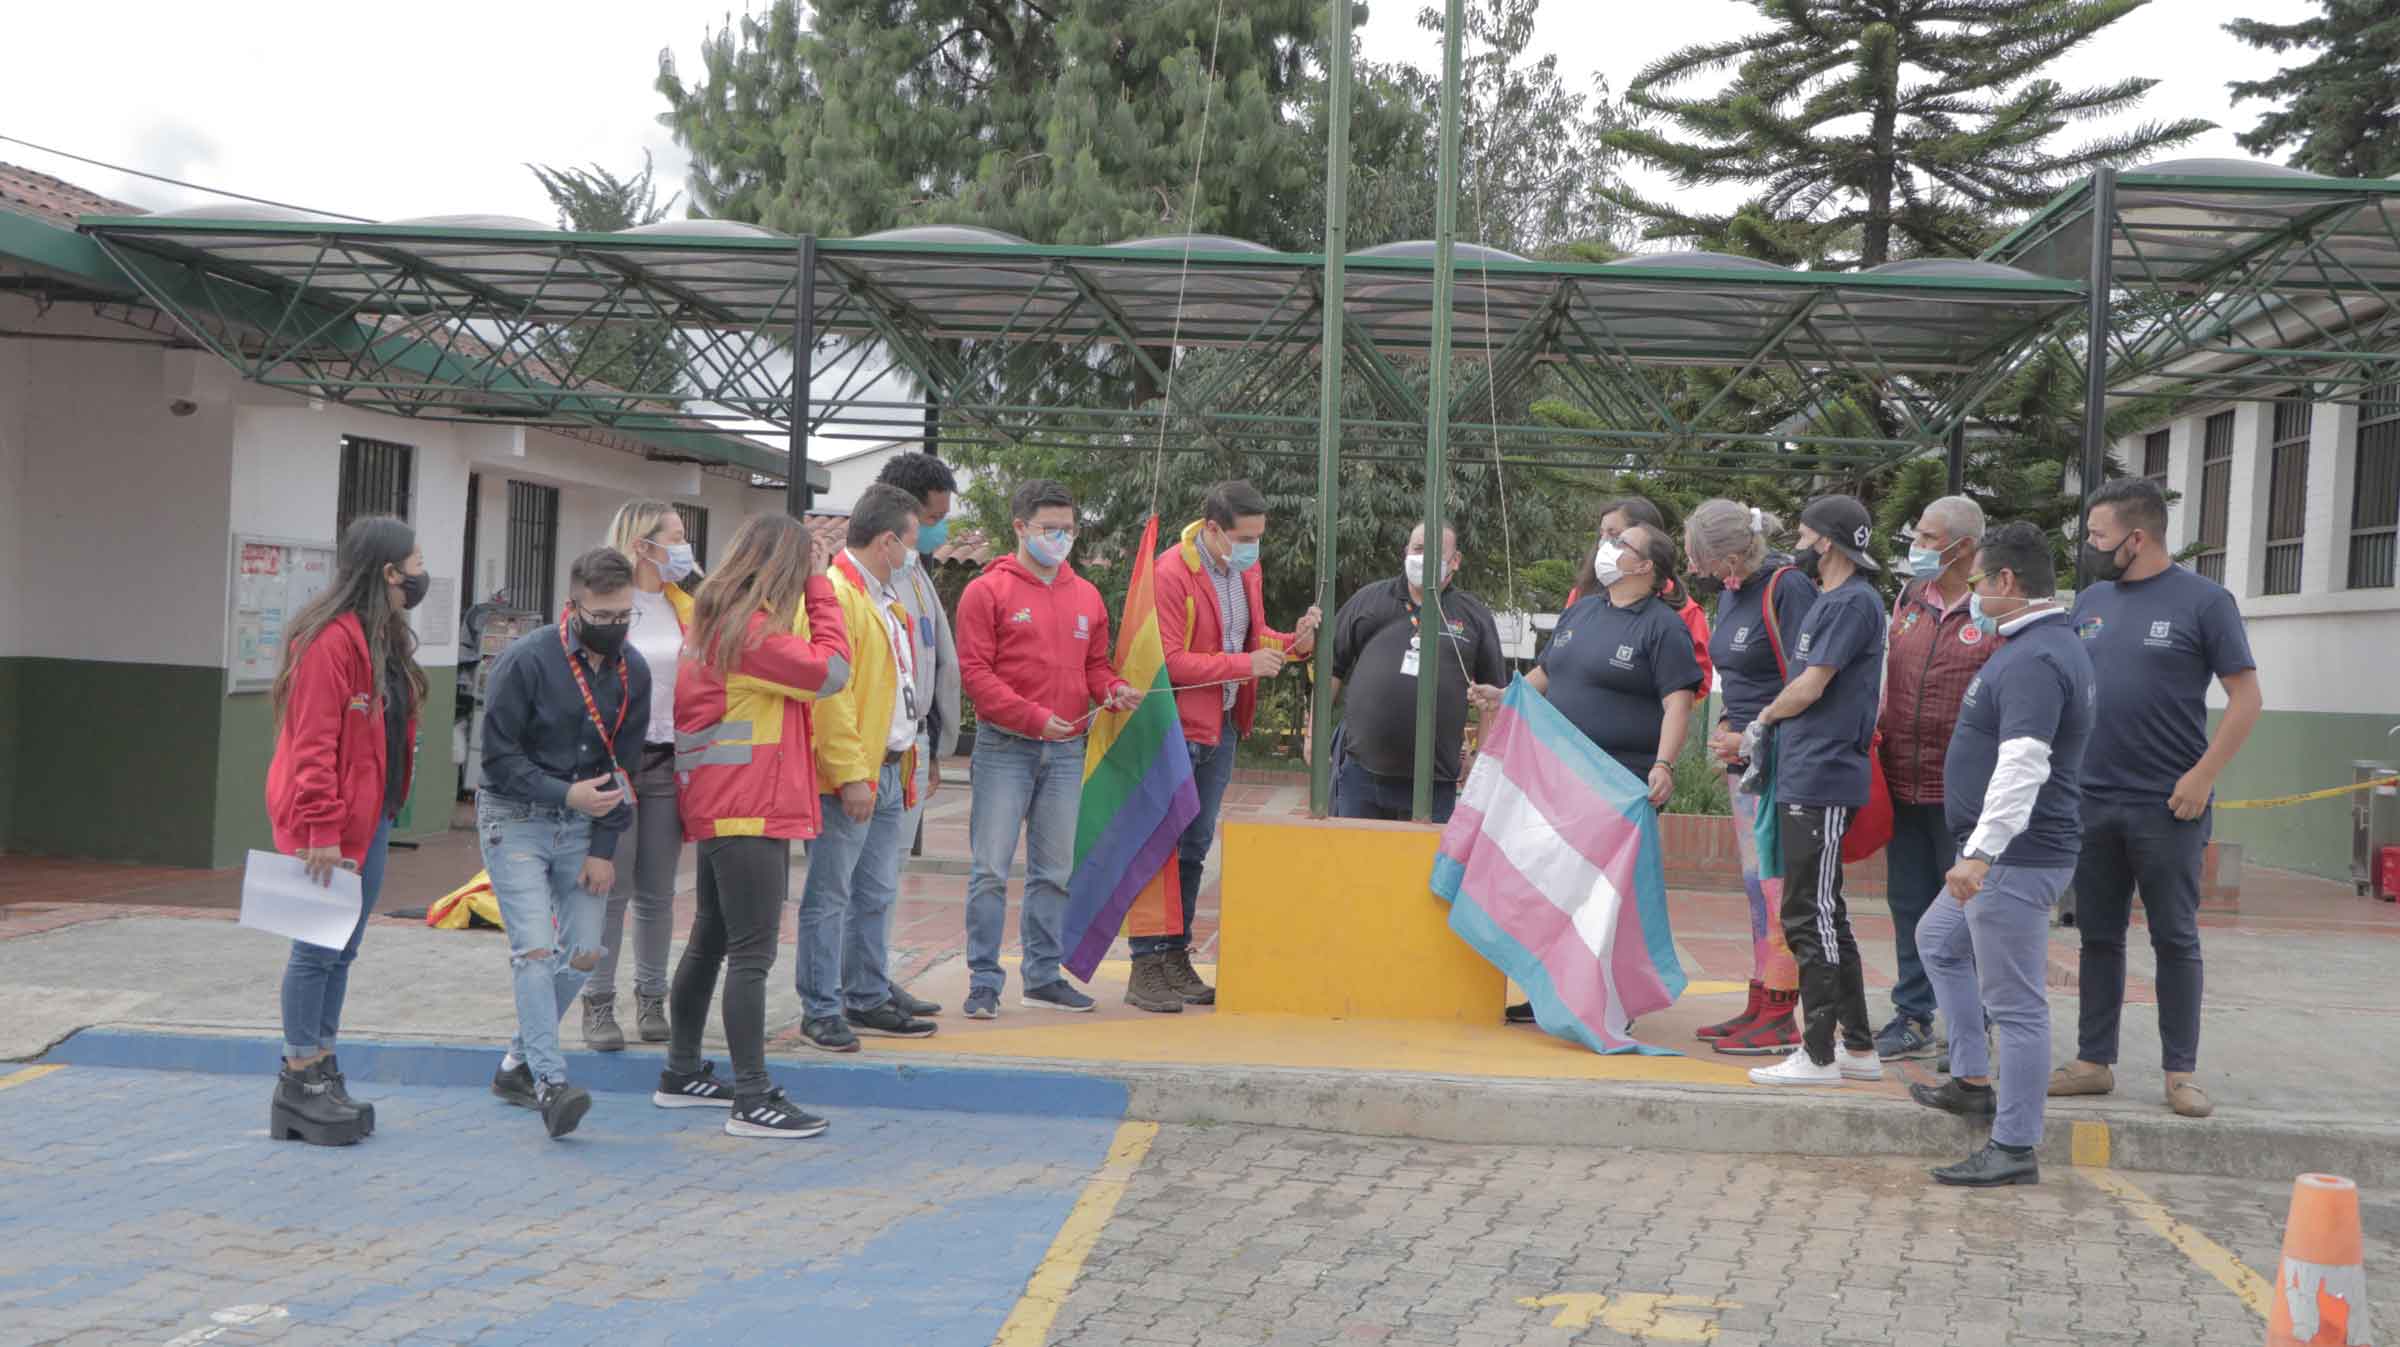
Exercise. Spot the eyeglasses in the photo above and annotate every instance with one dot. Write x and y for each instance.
(610, 617)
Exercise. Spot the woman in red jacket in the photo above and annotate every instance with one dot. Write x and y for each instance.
(766, 639)
(346, 703)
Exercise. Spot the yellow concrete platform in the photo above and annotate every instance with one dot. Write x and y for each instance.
(1117, 1033)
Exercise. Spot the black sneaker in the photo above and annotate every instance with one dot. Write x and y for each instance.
(699, 1089)
(515, 1085)
(563, 1106)
(773, 1115)
(914, 1005)
(830, 1035)
(983, 1003)
(1055, 996)
(889, 1021)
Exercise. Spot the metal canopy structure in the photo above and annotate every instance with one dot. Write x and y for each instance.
(490, 318)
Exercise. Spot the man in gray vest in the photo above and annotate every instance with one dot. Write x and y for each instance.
(936, 490)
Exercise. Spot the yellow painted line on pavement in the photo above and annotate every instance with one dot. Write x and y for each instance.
(28, 1075)
(2206, 1254)
(2088, 1145)
(1647, 1316)
(1028, 1324)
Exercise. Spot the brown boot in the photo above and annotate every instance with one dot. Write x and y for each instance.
(1150, 990)
(1186, 980)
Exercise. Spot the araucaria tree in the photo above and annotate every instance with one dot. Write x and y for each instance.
(2339, 112)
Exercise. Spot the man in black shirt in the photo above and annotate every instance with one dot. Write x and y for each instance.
(1378, 652)
(562, 703)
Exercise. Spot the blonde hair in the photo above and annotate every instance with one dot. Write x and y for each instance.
(636, 520)
(1721, 530)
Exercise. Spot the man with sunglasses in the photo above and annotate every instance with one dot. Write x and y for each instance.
(563, 703)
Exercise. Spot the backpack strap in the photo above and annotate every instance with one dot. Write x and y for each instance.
(1774, 625)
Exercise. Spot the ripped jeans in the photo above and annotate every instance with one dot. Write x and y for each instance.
(534, 854)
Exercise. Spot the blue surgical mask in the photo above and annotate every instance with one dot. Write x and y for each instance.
(1980, 618)
(930, 537)
(1925, 562)
(1243, 557)
(679, 562)
(1050, 548)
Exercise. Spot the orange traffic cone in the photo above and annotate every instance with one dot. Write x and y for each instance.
(2321, 1289)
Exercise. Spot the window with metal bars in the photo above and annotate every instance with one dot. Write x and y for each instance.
(2375, 490)
(376, 476)
(695, 531)
(2287, 494)
(2154, 457)
(2216, 486)
(532, 546)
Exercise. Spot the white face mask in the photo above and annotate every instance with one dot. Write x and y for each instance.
(1605, 563)
(678, 562)
(1413, 566)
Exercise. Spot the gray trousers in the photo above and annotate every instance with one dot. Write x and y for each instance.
(1986, 958)
(646, 860)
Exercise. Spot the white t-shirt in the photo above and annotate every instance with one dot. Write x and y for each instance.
(659, 637)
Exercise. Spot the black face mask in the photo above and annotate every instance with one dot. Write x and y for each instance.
(602, 639)
(2103, 565)
(1807, 562)
(413, 587)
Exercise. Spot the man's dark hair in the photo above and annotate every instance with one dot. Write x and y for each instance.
(2137, 503)
(603, 570)
(920, 475)
(1658, 548)
(1637, 510)
(1037, 495)
(881, 509)
(1229, 501)
(2023, 550)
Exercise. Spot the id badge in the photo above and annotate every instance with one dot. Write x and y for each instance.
(1408, 662)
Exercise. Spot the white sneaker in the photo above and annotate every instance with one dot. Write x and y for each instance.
(1797, 1069)
(1857, 1065)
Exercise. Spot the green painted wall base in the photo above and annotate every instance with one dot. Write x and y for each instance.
(2291, 752)
(248, 747)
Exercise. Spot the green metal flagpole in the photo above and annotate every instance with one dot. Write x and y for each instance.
(1329, 402)
(1437, 408)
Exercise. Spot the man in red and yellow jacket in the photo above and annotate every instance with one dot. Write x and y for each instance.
(866, 763)
(1212, 619)
(1034, 654)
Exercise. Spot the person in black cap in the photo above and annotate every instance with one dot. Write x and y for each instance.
(1824, 723)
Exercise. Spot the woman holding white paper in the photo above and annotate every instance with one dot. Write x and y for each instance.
(346, 704)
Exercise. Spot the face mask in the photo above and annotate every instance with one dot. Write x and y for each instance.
(1049, 548)
(1243, 557)
(413, 587)
(2104, 565)
(1976, 615)
(930, 537)
(1925, 562)
(1605, 565)
(679, 562)
(602, 640)
(1807, 562)
(1413, 566)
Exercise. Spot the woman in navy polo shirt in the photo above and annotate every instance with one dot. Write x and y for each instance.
(1620, 667)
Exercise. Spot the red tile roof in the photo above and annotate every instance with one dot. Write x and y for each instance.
(967, 547)
(53, 200)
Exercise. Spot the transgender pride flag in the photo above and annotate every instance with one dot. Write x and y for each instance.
(1551, 868)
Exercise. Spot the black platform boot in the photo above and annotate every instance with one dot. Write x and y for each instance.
(341, 1091)
(305, 1109)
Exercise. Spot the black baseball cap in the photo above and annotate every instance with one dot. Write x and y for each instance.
(1844, 522)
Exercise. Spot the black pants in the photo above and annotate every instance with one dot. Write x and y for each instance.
(744, 884)
(1816, 924)
(2128, 847)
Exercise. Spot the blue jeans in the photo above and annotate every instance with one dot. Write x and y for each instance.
(846, 905)
(1988, 958)
(315, 979)
(1033, 785)
(1212, 772)
(1922, 852)
(1359, 793)
(535, 855)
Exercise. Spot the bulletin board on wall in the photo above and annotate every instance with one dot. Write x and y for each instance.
(273, 579)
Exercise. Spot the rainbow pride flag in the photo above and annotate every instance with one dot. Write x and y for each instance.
(1137, 794)
(1551, 868)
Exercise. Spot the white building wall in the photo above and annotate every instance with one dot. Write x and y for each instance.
(13, 399)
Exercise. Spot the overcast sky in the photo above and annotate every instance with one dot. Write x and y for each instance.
(435, 107)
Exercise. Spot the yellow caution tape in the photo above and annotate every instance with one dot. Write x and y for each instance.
(2278, 801)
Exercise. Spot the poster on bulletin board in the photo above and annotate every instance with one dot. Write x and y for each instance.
(273, 579)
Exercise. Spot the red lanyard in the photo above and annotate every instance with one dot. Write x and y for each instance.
(590, 707)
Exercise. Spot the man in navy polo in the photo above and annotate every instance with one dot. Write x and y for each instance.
(1824, 722)
(2156, 632)
(2012, 787)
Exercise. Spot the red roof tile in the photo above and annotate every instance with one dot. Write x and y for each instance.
(53, 200)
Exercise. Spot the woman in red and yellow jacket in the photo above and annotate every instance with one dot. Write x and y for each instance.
(346, 703)
(765, 640)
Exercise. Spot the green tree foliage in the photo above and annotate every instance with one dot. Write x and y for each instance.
(2339, 112)
(1875, 129)
(595, 201)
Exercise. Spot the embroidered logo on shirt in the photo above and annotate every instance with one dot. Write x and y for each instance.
(1624, 657)
(1806, 638)
(1970, 634)
(1974, 685)
(1083, 626)
(1909, 623)
(1022, 615)
(1741, 638)
(2161, 636)
(362, 703)
(2091, 630)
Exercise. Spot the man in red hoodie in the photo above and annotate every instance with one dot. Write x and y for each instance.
(1033, 654)
(1212, 620)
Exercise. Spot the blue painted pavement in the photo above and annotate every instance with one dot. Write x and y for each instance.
(139, 1205)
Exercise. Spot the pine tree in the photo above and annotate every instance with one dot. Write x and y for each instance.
(630, 357)
(1957, 125)
(2340, 112)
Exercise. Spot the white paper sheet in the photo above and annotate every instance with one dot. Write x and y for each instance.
(278, 896)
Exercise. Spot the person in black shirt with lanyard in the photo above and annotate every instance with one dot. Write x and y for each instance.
(561, 702)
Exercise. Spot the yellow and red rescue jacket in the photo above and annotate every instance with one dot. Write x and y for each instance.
(745, 763)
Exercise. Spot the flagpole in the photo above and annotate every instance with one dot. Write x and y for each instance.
(1329, 401)
(1437, 410)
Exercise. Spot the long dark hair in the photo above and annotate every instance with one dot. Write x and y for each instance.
(765, 570)
(358, 587)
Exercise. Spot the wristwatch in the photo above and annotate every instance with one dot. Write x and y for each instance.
(1984, 856)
